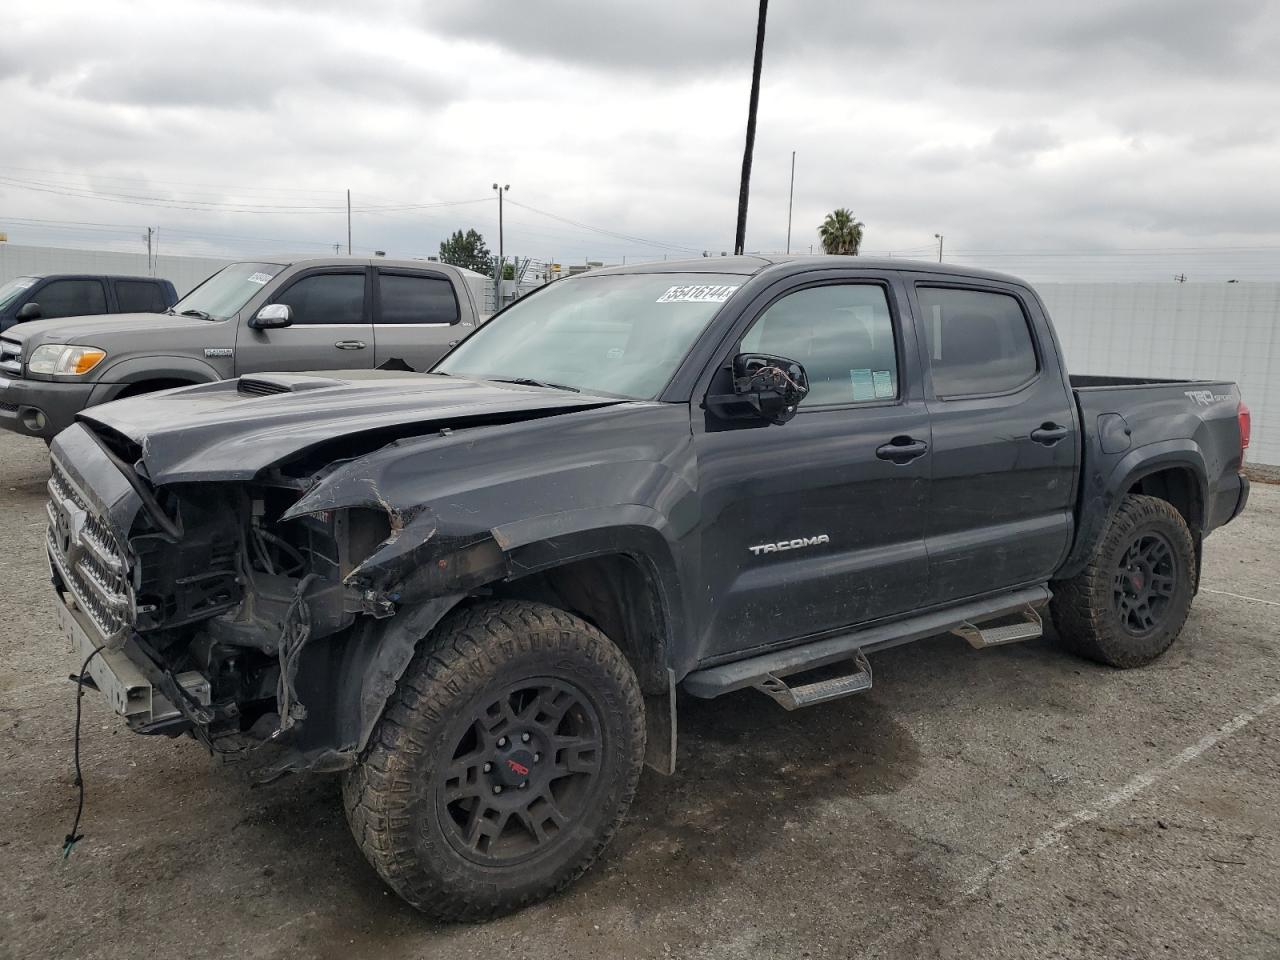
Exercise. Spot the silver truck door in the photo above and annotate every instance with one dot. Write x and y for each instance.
(418, 316)
(331, 329)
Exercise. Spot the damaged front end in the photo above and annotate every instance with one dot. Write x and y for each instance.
(248, 612)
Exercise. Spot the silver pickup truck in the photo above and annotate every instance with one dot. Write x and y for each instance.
(279, 315)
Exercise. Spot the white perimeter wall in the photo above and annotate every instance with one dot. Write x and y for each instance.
(185, 272)
(1196, 331)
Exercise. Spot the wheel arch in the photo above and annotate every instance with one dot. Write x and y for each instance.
(1172, 470)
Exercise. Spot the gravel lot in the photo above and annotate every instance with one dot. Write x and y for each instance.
(1009, 803)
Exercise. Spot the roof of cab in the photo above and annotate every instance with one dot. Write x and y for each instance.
(752, 264)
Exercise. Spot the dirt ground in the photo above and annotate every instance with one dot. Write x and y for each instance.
(1011, 803)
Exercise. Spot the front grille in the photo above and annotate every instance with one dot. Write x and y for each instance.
(10, 358)
(8, 407)
(260, 388)
(89, 560)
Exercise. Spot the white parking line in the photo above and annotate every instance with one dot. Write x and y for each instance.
(1240, 596)
(1055, 834)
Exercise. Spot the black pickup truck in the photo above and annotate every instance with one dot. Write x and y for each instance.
(476, 592)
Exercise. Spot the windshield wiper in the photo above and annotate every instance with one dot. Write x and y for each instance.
(530, 382)
(197, 313)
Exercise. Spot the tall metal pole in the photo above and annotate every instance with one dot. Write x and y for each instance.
(497, 270)
(740, 239)
(791, 196)
(938, 237)
(348, 223)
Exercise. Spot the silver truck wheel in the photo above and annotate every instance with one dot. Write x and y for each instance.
(504, 763)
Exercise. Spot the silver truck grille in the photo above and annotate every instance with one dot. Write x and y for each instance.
(92, 565)
(11, 357)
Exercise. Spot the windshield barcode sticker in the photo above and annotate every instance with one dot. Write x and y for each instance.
(259, 278)
(698, 293)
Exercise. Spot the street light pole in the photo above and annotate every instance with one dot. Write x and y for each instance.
(497, 272)
(740, 240)
(791, 196)
(938, 237)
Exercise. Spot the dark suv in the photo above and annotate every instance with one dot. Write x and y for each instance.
(80, 295)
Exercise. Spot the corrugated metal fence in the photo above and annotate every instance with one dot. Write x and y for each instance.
(18, 260)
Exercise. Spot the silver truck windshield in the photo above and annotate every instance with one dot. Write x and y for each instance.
(14, 289)
(621, 334)
(222, 295)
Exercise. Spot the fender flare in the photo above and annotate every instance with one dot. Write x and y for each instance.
(120, 376)
(1100, 504)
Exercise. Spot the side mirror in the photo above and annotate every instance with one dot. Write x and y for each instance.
(29, 311)
(766, 387)
(272, 317)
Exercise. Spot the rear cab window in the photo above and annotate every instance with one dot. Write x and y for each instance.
(978, 342)
(140, 296)
(407, 298)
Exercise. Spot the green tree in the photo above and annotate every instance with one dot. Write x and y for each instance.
(467, 250)
(841, 233)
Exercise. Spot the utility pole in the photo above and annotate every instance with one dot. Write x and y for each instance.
(150, 267)
(791, 196)
(938, 237)
(740, 240)
(497, 273)
(348, 222)
(337, 248)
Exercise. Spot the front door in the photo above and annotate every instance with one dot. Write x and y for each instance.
(1004, 439)
(332, 327)
(818, 523)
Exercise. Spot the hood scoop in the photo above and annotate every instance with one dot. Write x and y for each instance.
(275, 383)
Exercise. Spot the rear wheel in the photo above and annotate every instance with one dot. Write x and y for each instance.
(1130, 603)
(504, 763)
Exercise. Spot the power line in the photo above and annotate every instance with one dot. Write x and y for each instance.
(609, 233)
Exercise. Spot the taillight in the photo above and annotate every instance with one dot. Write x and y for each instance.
(1245, 420)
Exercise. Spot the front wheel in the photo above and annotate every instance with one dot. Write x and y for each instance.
(1130, 603)
(504, 763)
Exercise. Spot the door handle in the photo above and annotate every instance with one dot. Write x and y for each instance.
(902, 449)
(350, 344)
(1049, 433)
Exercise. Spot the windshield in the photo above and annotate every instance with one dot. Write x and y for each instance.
(621, 334)
(14, 289)
(222, 295)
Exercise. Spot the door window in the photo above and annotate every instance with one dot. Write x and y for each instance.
(71, 298)
(410, 299)
(139, 296)
(843, 336)
(326, 298)
(978, 341)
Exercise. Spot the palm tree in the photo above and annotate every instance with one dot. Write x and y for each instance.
(841, 232)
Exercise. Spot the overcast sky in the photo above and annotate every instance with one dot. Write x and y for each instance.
(1145, 130)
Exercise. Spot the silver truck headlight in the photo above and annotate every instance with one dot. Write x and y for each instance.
(64, 359)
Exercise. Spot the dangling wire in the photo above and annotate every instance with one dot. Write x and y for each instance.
(74, 837)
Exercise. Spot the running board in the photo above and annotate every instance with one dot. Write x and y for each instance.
(980, 636)
(755, 671)
(858, 680)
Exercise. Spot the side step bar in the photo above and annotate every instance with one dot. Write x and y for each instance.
(772, 666)
(819, 691)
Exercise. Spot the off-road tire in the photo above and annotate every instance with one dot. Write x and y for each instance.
(394, 805)
(1084, 608)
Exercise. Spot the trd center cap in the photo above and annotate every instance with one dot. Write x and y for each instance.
(514, 768)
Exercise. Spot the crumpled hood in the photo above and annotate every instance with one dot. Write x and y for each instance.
(232, 429)
(90, 330)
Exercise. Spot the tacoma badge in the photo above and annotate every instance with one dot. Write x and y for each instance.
(789, 544)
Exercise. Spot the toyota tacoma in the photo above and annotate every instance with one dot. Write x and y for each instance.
(475, 592)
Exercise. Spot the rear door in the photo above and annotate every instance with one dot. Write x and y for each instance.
(140, 296)
(417, 317)
(1004, 438)
(818, 523)
(332, 327)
